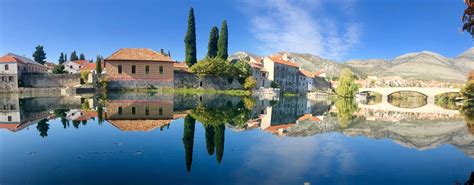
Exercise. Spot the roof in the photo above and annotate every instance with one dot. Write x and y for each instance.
(181, 66)
(139, 125)
(7, 59)
(11, 57)
(274, 128)
(81, 62)
(138, 54)
(49, 64)
(279, 59)
(89, 66)
(306, 73)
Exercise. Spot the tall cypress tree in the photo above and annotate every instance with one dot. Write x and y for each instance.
(39, 55)
(212, 45)
(98, 64)
(61, 58)
(190, 40)
(188, 140)
(74, 56)
(82, 57)
(219, 134)
(65, 57)
(209, 138)
(223, 42)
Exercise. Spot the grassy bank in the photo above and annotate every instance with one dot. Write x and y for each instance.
(189, 91)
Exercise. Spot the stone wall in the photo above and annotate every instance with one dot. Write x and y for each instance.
(51, 80)
(140, 84)
(192, 81)
(8, 82)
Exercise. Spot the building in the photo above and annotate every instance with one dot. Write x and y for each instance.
(259, 72)
(13, 67)
(74, 67)
(50, 66)
(305, 82)
(283, 72)
(139, 68)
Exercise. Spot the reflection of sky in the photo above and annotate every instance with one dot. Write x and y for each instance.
(104, 154)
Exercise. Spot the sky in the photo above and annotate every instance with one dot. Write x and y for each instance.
(338, 30)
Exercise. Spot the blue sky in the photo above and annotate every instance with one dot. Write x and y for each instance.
(340, 30)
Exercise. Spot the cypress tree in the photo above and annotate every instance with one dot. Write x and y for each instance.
(61, 58)
(190, 40)
(212, 45)
(39, 55)
(223, 42)
(209, 138)
(98, 64)
(74, 56)
(188, 140)
(219, 141)
(169, 53)
(82, 57)
(65, 57)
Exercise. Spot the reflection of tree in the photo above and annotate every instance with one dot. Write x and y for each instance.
(209, 139)
(219, 141)
(188, 140)
(43, 127)
(467, 110)
(61, 113)
(100, 111)
(235, 115)
(470, 181)
(249, 103)
(76, 123)
(345, 108)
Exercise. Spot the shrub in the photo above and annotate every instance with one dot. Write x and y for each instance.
(84, 76)
(59, 69)
(250, 83)
(274, 85)
(222, 68)
(347, 87)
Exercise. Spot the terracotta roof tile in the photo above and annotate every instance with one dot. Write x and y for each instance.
(139, 125)
(306, 73)
(138, 54)
(181, 66)
(279, 59)
(7, 58)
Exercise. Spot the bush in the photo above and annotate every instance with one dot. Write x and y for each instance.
(59, 69)
(274, 85)
(222, 68)
(250, 83)
(84, 76)
(347, 86)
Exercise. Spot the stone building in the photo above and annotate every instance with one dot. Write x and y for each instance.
(259, 72)
(282, 71)
(13, 67)
(74, 67)
(305, 82)
(139, 68)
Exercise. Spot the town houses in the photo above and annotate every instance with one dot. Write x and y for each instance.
(13, 66)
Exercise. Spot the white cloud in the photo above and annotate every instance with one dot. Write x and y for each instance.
(303, 26)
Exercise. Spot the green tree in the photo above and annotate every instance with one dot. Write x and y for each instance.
(82, 57)
(100, 112)
(209, 129)
(59, 69)
(39, 55)
(223, 42)
(43, 127)
(212, 45)
(61, 58)
(190, 40)
(468, 90)
(188, 140)
(65, 57)
(347, 87)
(219, 138)
(345, 108)
(74, 56)
(98, 64)
(250, 83)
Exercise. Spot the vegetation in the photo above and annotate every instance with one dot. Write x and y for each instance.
(223, 42)
(98, 64)
(59, 69)
(190, 40)
(82, 56)
(250, 83)
(39, 55)
(219, 67)
(468, 18)
(84, 76)
(345, 108)
(212, 45)
(188, 140)
(62, 58)
(43, 127)
(208, 91)
(347, 87)
(74, 56)
(274, 85)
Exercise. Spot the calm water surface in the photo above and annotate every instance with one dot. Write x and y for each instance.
(215, 139)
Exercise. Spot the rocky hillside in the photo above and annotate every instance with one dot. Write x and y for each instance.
(423, 65)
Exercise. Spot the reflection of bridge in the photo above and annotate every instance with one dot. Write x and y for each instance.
(430, 107)
(427, 91)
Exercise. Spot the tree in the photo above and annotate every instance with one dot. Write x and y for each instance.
(61, 58)
(250, 83)
(98, 64)
(347, 87)
(188, 140)
(169, 53)
(223, 42)
(43, 127)
(65, 57)
(345, 108)
(39, 55)
(468, 18)
(190, 40)
(74, 56)
(212, 45)
(209, 129)
(82, 57)
(219, 138)
(59, 69)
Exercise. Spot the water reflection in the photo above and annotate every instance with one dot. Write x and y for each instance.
(290, 116)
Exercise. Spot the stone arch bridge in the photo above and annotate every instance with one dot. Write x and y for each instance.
(430, 92)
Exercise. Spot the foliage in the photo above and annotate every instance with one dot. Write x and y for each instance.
(39, 55)
(223, 42)
(43, 127)
(209, 129)
(345, 108)
(98, 64)
(190, 40)
(212, 45)
(62, 58)
(222, 68)
(250, 83)
(242, 70)
(235, 115)
(274, 85)
(208, 91)
(468, 90)
(249, 103)
(59, 69)
(65, 57)
(82, 56)
(468, 19)
(74, 56)
(219, 134)
(84, 76)
(347, 87)
(188, 140)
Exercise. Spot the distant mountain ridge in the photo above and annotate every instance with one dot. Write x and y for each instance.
(424, 65)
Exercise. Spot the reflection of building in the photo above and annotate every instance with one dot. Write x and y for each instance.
(137, 115)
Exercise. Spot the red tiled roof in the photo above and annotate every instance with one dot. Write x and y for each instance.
(274, 129)
(306, 73)
(317, 73)
(279, 59)
(181, 66)
(89, 66)
(139, 125)
(7, 58)
(138, 54)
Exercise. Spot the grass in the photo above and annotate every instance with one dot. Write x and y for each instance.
(194, 91)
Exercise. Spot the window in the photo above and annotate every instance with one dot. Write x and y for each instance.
(133, 110)
(133, 69)
(160, 111)
(119, 68)
(10, 78)
(147, 69)
(9, 118)
(4, 79)
(70, 67)
(6, 67)
(120, 111)
(161, 70)
(147, 111)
